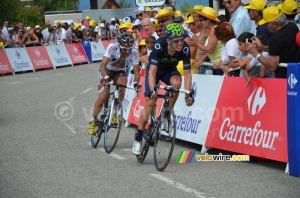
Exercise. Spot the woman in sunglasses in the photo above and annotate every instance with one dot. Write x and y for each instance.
(116, 62)
(20, 37)
(163, 61)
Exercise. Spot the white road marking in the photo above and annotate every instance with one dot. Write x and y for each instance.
(58, 74)
(70, 127)
(17, 78)
(71, 99)
(12, 82)
(86, 90)
(119, 157)
(179, 186)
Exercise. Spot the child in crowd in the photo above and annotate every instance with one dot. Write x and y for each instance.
(143, 56)
(248, 63)
(150, 43)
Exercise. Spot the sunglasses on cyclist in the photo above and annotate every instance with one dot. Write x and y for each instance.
(157, 31)
(126, 49)
(226, 2)
(178, 40)
(163, 20)
(123, 30)
(139, 15)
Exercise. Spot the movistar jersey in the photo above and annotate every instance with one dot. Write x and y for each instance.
(161, 58)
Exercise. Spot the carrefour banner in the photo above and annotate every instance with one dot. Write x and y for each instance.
(97, 51)
(19, 59)
(293, 118)
(59, 55)
(86, 44)
(251, 119)
(5, 66)
(193, 122)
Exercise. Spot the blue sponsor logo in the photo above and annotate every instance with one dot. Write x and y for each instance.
(194, 86)
(18, 54)
(187, 123)
(57, 51)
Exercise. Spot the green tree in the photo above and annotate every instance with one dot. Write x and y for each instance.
(124, 4)
(31, 16)
(185, 6)
(9, 10)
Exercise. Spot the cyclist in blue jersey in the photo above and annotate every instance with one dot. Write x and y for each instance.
(163, 60)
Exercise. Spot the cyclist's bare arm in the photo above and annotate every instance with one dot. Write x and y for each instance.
(152, 76)
(136, 69)
(187, 79)
(103, 64)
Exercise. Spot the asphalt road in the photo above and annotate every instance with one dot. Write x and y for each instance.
(46, 152)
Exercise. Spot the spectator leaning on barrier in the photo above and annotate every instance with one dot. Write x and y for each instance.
(240, 19)
(255, 11)
(230, 51)
(51, 38)
(282, 44)
(5, 29)
(21, 37)
(37, 31)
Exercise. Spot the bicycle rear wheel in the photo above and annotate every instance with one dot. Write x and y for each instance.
(113, 125)
(145, 146)
(164, 139)
(95, 139)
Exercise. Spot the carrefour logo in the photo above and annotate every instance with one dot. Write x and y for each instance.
(292, 81)
(37, 53)
(256, 101)
(75, 49)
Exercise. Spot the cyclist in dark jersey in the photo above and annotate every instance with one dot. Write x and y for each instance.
(163, 60)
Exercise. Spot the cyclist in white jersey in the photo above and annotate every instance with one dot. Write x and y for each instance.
(117, 60)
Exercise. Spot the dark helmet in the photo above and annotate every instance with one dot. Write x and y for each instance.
(125, 39)
(172, 30)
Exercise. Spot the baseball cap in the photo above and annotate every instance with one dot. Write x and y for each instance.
(270, 14)
(256, 5)
(289, 7)
(140, 9)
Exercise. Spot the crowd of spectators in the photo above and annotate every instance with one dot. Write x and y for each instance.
(255, 40)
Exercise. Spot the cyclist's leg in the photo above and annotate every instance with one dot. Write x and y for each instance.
(144, 116)
(98, 105)
(173, 78)
(121, 78)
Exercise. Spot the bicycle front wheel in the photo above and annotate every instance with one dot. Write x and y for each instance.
(145, 145)
(164, 138)
(113, 125)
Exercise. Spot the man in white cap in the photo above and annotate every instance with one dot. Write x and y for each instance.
(113, 28)
(141, 13)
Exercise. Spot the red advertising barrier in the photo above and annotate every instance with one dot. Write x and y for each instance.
(138, 104)
(251, 119)
(107, 42)
(39, 57)
(5, 66)
(76, 53)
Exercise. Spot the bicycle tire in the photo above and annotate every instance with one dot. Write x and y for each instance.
(145, 147)
(95, 139)
(112, 131)
(164, 141)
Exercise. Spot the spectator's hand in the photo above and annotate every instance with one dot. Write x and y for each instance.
(257, 43)
(248, 79)
(225, 69)
(216, 65)
(198, 63)
(137, 87)
(251, 48)
(189, 101)
(144, 59)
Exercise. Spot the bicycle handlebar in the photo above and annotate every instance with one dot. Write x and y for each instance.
(172, 89)
(117, 85)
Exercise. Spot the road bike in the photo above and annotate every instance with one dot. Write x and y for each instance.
(161, 132)
(110, 121)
